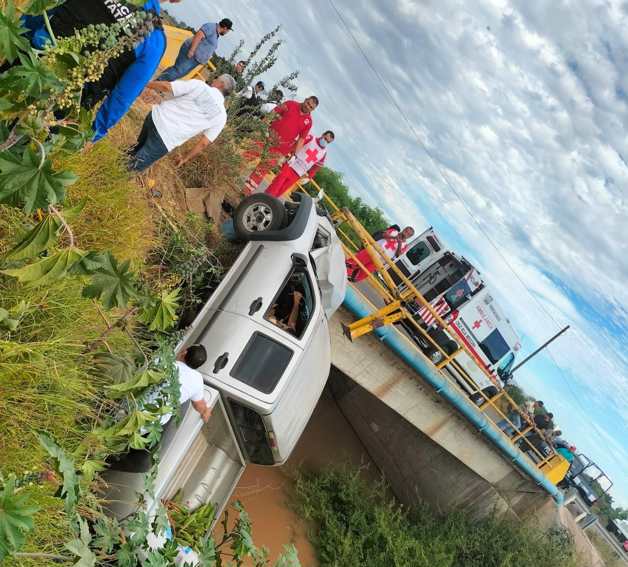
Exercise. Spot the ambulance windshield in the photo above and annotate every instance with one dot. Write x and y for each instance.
(458, 293)
(494, 346)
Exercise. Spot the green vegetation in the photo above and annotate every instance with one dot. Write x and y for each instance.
(92, 282)
(354, 524)
(610, 557)
(332, 183)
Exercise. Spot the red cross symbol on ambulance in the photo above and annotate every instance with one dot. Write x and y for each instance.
(477, 324)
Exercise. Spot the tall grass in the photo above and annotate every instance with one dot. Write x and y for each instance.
(117, 214)
(356, 525)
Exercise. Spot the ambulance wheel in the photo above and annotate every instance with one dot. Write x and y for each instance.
(258, 213)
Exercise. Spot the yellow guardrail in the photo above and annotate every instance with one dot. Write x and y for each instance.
(497, 407)
(175, 38)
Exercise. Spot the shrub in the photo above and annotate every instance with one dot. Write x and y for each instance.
(359, 525)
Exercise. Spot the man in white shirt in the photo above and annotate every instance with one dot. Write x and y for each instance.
(190, 388)
(274, 99)
(195, 108)
(191, 380)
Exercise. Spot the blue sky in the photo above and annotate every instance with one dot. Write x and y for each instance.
(502, 124)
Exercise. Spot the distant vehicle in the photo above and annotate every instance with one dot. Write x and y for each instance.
(459, 295)
(587, 478)
(619, 529)
(263, 377)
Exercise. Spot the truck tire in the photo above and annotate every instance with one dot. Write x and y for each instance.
(258, 213)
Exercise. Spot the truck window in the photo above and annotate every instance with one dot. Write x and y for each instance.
(321, 239)
(418, 253)
(494, 346)
(262, 363)
(251, 431)
(292, 308)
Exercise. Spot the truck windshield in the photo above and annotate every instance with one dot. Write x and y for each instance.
(494, 346)
(251, 431)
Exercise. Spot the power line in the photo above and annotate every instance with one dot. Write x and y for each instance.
(460, 198)
(437, 164)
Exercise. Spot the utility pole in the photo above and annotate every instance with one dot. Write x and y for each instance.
(517, 366)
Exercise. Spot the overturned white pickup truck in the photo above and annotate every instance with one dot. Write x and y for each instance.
(265, 329)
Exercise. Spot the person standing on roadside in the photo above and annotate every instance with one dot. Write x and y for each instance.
(306, 162)
(124, 77)
(274, 99)
(393, 243)
(197, 50)
(288, 132)
(195, 108)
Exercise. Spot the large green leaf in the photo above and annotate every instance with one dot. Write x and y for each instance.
(137, 383)
(80, 547)
(12, 38)
(15, 518)
(31, 78)
(114, 368)
(161, 312)
(36, 240)
(30, 182)
(66, 468)
(112, 283)
(47, 270)
(107, 532)
(36, 7)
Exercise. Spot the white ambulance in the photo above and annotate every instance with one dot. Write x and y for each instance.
(458, 294)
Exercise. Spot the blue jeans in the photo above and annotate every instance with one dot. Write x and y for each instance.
(182, 66)
(149, 147)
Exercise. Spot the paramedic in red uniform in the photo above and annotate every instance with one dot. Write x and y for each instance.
(305, 162)
(394, 244)
(288, 132)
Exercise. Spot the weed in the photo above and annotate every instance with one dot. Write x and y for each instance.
(358, 525)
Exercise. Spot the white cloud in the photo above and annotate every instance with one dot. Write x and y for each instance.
(523, 106)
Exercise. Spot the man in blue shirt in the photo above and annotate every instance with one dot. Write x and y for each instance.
(126, 76)
(197, 49)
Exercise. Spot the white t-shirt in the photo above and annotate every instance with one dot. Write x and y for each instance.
(190, 388)
(268, 107)
(195, 108)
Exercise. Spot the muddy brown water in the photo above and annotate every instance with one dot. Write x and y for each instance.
(265, 491)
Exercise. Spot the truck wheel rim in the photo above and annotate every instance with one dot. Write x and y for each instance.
(257, 217)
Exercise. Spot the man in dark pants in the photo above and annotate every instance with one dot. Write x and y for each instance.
(194, 108)
(197, 49)
(124, 77)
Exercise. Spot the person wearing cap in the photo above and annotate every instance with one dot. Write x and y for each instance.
(195, 108)
(197, 50)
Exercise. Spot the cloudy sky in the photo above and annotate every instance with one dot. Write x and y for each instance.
(503, 125)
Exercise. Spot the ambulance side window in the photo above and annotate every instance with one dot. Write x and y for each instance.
(418, 253)
(494, 346)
